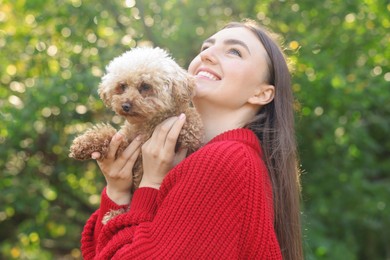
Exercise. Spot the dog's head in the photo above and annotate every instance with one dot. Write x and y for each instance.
(145, 81)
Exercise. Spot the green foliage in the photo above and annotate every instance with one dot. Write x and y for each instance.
(53, 54)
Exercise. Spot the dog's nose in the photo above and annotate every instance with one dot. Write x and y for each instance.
(126, 106)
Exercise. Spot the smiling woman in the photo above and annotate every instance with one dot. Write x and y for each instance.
(237, 197)
(238, 62)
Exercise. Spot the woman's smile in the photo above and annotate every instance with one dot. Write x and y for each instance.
(208, 74)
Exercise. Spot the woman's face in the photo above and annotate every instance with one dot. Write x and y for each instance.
(229, 69)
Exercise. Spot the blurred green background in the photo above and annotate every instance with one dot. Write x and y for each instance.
(53, 53)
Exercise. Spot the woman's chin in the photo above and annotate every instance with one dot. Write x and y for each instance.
(200, 90)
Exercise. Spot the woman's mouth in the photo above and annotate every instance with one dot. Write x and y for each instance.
(208, 74)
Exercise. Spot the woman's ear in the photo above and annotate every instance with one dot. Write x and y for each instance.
(264, 94)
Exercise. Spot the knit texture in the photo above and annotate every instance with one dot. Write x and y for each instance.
(215, 204)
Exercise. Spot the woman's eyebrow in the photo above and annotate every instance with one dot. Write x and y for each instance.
(209, 40)
(235, 41)
(229, 42)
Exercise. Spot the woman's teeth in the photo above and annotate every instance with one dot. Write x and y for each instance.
(207, 75)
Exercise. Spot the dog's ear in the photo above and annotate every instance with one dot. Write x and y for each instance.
(104, 94)
(183, 88)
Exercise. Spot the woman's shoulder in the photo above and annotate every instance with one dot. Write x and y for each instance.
(236, 150)
(229, 164)
(233, 143)
(225, 161)
(231, 154)
(216, 165)
(229, 149)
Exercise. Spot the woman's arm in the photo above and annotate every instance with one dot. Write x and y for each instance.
(116, 196)
(94, 224)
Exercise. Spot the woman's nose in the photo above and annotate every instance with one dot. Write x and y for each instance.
(208, 55)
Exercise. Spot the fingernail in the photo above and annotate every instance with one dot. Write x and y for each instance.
(182, 116)
(94, 156)
(138, 138)
(118, 136)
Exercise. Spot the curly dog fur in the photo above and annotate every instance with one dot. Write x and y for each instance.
(145, 86)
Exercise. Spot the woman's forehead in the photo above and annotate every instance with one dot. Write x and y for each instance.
(238, 33)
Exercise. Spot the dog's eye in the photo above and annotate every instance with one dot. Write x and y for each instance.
(122, 86)
(145, 89)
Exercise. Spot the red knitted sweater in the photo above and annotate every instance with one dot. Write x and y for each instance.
(215, 204)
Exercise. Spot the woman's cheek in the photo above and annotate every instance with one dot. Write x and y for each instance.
(192, 66)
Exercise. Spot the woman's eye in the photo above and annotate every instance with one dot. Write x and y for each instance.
(235, 52)
(204, 47)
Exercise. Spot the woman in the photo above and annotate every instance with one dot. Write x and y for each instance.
(235, 198)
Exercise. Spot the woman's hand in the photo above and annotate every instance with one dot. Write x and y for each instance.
(158, 153)
(119, 172)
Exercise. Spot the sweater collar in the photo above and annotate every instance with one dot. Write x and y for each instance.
(242, 135)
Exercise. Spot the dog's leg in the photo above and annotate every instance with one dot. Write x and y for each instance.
(95, 139)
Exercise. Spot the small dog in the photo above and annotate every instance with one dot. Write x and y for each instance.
(145, 86)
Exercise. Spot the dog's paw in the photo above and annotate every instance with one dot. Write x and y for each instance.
(95, 139)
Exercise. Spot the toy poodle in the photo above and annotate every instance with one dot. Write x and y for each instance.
(145, 86)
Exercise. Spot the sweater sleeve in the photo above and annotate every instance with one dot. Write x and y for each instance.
(94, 224)
(198, 212)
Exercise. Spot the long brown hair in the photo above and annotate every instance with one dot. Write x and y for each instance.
(274, 125)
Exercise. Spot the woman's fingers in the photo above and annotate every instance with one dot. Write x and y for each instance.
(129, 156)
(120, 167)
(167, 132)
(133, 146)
(160, 134)
(127, 169)
(158, 153)
(173, 134)
(114, 144)
(160, 147)
(95, 155)
(102, 166)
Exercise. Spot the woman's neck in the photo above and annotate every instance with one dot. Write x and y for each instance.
(218, 122)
